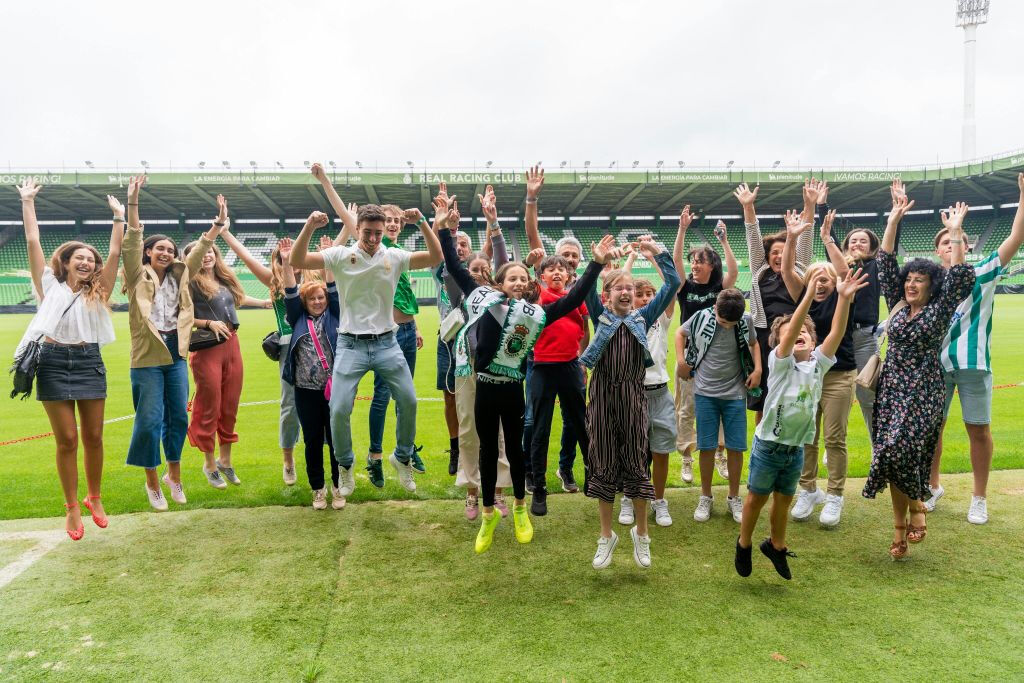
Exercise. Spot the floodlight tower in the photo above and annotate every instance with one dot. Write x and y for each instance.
(969, 14)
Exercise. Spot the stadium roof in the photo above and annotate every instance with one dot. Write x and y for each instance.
(291, 194)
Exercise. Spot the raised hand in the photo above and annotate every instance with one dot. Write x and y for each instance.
(953, 217)
(489, 205)
(900, 206)
(116, 207)
(135, 184)
(720, 231)
(897, 190)
(222, 209)
(745, 195)
(28, 189)
(822, 192)
(317, 220)
(325, 242)
(648, 247)
(605, 251)
(412, 216)
(318, 172)
(353, 208)
(534, 182)
(685, 218)
(454, 217)
(854, 281)
(535, 256)
(285, 248)
(442, 208)
(795, 225)
(1020, 182)
(826, 225)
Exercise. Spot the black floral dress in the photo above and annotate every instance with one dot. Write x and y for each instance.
(911, 393)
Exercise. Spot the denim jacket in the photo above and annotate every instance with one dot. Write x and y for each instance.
(607, 323)
(295, 313)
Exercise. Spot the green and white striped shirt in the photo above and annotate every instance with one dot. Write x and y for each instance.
(966, 346)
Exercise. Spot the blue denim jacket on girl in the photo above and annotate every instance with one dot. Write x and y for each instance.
(607, 323)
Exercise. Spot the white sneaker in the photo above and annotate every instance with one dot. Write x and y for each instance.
(320, 499)
(641, 549)
(156, 498)
(978, 512)
(337, 500)
(832, 511)
(735, 504)
(177, 493)
(661, 516)
(686, 473)
(605, 546)
(930, 504)
(703, 511)
(347, 481)
(805, 502)
(404, 473)
(214, 478)
(288, 474)
(626, 515)
(722, 465)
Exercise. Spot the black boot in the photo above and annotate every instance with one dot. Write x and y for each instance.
(742, 562)
(453, 457)
(539, 506)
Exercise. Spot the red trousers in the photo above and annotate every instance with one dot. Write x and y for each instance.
(217, 372)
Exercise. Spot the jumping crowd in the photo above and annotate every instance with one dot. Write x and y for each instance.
(516, 336)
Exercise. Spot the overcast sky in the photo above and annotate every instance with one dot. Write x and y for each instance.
(452, 83)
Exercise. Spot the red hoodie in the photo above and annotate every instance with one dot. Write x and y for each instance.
(560, 341)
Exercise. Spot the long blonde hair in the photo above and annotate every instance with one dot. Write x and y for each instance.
(277, 274)
(209, 285)
(92, 289)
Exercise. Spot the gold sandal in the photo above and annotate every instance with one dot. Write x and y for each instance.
(898, 549)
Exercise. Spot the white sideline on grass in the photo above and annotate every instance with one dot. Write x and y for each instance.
(47, 541)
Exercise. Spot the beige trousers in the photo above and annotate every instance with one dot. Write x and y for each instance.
(834, 413)
(469, 442)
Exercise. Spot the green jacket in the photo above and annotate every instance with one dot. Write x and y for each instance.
(141, 282)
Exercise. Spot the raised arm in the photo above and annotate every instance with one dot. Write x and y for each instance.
(796, 226)
(489, 206)
(670, 309)
(287, 272)
(1011, 245)
(194, 260)
(455, 269)
(679, 248)
(325, 244)
(900, 206)
(36, 260)
(805, 243)
(432, 256)
(534, 184)
(847, 288)
(499, 249)
(347, 231)
(953, 220)
(132, 244)
(603, 252)
(260, 271)
(755, 247)
(347, 217)
(732, 268)
(835, 254)
(796, 324)
(109, 274)
(301, 257)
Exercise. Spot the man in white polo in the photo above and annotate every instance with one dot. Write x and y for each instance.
(367, 276)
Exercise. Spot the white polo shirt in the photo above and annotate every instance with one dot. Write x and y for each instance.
(366, 286)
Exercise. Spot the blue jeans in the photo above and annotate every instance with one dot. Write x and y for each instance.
(160, 397)
(712, 413)
(353, 359)
(406, 336)
(774, 467)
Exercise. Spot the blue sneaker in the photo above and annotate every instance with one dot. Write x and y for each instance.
(375, 468)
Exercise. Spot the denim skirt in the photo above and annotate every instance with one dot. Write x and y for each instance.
(70, 373)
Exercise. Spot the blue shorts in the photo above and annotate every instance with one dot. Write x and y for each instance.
(445, 366)
(975, 389)
(774, 467)
(730, 413)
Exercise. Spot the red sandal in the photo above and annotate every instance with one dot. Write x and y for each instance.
(898, 549)
(100, 521)
(77, 534)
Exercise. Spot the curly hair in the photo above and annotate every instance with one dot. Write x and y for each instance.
(923, 266)
(308, 287)
(705, 254)
(773, 336)
(92, 290)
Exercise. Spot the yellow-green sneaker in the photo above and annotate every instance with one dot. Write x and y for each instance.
(484, 537)
(521, 519)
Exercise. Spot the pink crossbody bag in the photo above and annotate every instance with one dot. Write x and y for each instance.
(323, 358)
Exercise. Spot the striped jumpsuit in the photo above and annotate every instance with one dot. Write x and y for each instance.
(619, 457)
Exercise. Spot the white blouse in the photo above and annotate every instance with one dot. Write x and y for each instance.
(85, 322)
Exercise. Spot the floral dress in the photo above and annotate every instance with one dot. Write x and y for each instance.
(911, 392)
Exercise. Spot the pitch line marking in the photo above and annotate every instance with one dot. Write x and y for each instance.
(47, 541)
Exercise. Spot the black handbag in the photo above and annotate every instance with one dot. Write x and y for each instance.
(205, 338)
(272, 346)
(26, 365)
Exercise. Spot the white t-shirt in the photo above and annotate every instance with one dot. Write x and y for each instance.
(366, 286)
(794, 389)
(85, 322)
(657, 344)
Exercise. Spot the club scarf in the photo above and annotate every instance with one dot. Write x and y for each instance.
(703, 331)
(521, 324)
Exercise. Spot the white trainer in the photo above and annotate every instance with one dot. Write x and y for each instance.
(288, 474)
(930, 504)
(641, 549)
(404, 473)
(156, 498)
(605, 546)
(177, 493)
(661, 516)
(978, 512)
(347, 481)
(832, 511)
(214, 478)
(686, 473)
(703, 511)
(722, 464)
(320, 499)
(337, 500)
(805, 502)
(626, 514)
(735, 504)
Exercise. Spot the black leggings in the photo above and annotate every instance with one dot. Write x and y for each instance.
(500, 404)
(315, 419)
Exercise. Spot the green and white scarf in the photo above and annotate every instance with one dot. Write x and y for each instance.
(521, 324)
(702, 331)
